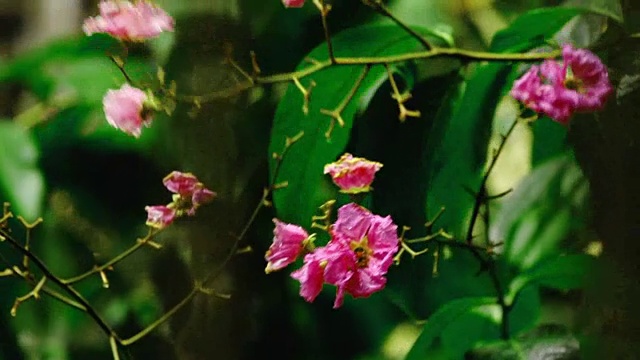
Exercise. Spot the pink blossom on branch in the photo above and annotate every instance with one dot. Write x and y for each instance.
(129, 22)
(125, 110)
(190, 192)
(159, 216)
(293, 3)
(355, 260)
(579, 83)
(288, 244)
(352, 174)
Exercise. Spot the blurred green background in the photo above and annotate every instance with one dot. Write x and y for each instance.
(59, 159)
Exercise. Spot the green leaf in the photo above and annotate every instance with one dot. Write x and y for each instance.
(448, 315)
(532, 29)
(21, 181)
(303, 168)
(549, 140)
(541, 212)
(608, 8)
(563, 273)
(457, 147)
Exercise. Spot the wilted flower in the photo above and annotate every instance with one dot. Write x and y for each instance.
(129, 22)
(293, 3)
(356, 259)
(558, 90)
(159, 216)
(352, 174)
(124, 109)
(288, 244)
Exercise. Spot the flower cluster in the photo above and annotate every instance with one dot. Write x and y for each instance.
(129, 22)
(355, 260)
(362, 245)
(188, 194)
(352, 175)
(559, 89)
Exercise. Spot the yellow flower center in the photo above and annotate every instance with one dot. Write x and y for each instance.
(362, 251)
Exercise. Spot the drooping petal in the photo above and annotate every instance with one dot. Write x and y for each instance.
(311, 277)
(286, 247)
(124, 107)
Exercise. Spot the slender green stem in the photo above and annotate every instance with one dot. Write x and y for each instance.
(481, 196)
(379, 7)
(434, 52)
(112, 262)
(162, 319)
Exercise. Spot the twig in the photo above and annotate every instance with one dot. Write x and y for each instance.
(4, 236)
(379, 7)
(400, 98)
(109, 264)
(324, 12)
(481, 196)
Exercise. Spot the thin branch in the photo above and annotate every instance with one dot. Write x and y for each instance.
(317, 66)
(481, 196)
(324, 12)
(379, 7)
(4, 236)
(109, 264)
(200, 286)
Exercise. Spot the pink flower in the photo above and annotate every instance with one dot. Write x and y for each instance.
(288, 244)
(351, 174)
(293, 3)
(312, 273)
(159, 216)
(190, 192)
(588, 78)
(129, 22)
(124, 109)
(356, 259)
(181, 183)
(558, 90)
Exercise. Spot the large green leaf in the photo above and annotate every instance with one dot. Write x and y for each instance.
(308, 187)
(21, 181)
(448, 315)
(541, 212)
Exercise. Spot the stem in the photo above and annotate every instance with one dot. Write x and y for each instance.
(434, 52)
(162, 319)
(324, 11)
(481, 195)
(112, 262)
